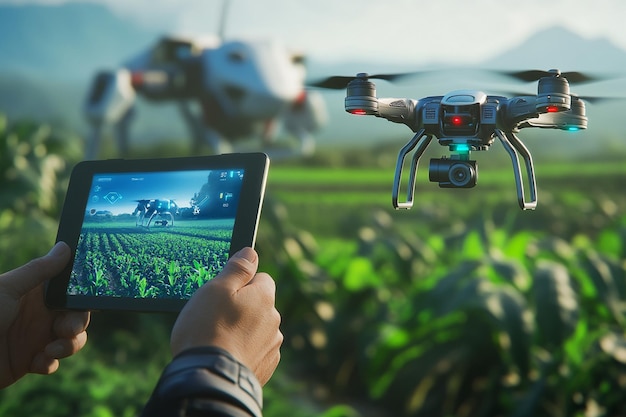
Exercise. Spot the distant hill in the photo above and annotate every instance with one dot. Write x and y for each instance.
(50, 53)
(557, 47)
(561, 48)
(42, 100)
(66, 42)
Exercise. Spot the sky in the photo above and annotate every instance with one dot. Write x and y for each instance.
(343, 37)
(126, 189)
(465, 31)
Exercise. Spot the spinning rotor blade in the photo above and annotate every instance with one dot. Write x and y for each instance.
(339, 82)
(588, 99)
(535, 75)
(511, 94)
(598, 99)
(336, 82)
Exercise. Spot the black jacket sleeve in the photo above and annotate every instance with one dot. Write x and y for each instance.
(205, 381)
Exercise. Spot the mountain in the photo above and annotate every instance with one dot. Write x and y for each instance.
(50, 53)
(558, 47)
(66, 42)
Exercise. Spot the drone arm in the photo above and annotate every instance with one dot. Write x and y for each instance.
(398, 110)
(421, 141)
(513, 145)
(519, 110)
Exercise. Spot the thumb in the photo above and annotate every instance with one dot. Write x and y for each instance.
(21, 280)
(239, 270)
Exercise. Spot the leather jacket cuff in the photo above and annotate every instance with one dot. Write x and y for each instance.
(209, 379)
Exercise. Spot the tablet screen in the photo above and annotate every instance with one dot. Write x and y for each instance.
(155, 234)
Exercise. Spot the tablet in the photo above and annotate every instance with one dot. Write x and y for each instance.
(146, 233)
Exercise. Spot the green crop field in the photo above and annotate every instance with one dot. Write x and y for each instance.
(463, 306)
(328, 200)
(117, 260)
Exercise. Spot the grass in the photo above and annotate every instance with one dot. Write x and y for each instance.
(316, 177)
(330, 201)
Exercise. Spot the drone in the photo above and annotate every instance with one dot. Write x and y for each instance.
(226, 90)
(160, 210)
(466, 121)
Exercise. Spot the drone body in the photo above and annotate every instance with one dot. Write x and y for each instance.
(160, 210)
(225, 90)
(470, 120)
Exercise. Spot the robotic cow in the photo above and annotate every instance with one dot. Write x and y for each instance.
(239, 89)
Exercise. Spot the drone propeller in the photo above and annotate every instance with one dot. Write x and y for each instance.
(339, 82)
(598, 99)
(588, 99)
(535, 75)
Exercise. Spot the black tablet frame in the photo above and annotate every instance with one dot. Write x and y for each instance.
(255, 167)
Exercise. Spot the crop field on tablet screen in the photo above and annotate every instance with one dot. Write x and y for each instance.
(117, 260)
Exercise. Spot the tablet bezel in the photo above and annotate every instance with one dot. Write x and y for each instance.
(255, 166)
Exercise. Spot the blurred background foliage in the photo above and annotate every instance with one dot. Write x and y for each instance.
(459, 307)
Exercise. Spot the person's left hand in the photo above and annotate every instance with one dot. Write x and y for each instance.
(32, 337)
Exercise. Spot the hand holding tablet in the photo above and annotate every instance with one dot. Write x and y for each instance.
(145, 234)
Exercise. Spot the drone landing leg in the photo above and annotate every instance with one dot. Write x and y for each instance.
(513, 145)
(421, 141)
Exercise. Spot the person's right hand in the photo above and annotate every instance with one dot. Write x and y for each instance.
(234, 311)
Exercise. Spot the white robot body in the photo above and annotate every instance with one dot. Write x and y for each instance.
(255, 79)
(242, 88)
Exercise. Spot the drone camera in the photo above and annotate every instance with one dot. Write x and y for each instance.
(453, 173)
(361, 96)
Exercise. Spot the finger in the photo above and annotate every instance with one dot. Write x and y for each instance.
(21, 280)
(263, 280)
(62, 348)
(43, 364)
(68, 325)
(264, 286)
(239, 270)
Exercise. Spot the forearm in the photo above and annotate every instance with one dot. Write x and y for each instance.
(205, 381)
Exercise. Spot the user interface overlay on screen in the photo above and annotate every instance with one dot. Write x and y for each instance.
(155, 234)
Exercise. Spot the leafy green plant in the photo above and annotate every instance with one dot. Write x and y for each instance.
(34, 169)
(482, 321)
(461, 306)
(156, 264)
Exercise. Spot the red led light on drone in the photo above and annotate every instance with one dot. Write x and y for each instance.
(456, 120)
(552, 109)
(358, 112)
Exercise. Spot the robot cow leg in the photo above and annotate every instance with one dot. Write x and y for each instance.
(207, 131)
(194, 125)
(305, 116)
(121, 131)
(94, 139)
(109, 101)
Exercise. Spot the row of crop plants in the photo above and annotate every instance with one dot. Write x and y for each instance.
(148, 265)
